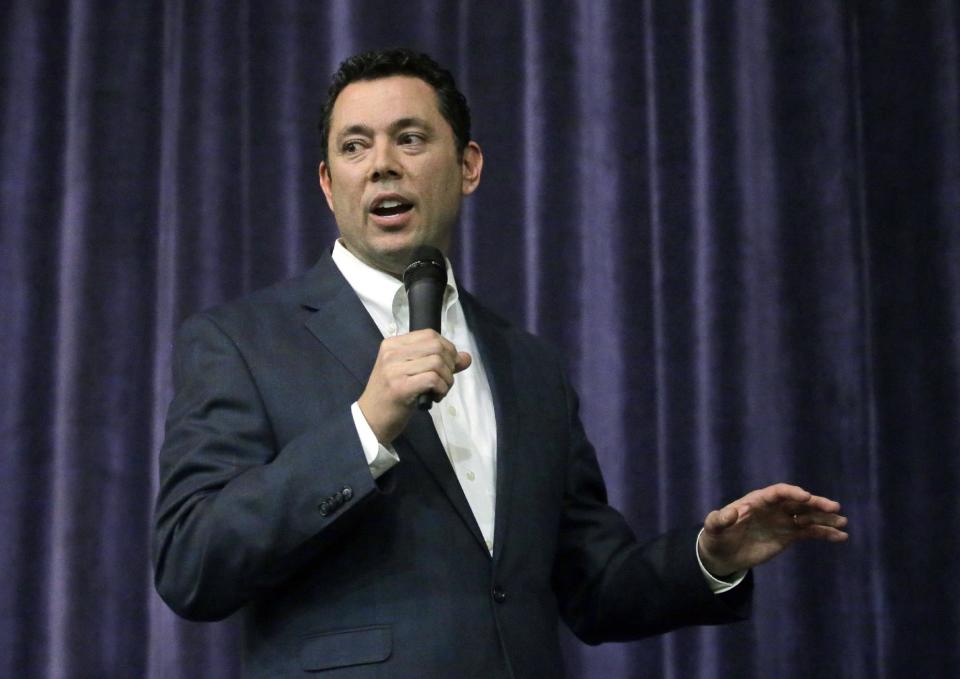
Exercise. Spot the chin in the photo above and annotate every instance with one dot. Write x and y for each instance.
(393, 260)
(400, 248)
(391, 252)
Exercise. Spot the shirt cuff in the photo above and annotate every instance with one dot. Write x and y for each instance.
(379, 457)
(717, 586)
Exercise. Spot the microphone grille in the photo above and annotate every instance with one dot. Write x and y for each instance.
(426, 262)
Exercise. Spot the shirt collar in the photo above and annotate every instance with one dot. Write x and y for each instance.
(382, 295)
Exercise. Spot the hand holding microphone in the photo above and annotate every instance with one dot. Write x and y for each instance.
(416, 368)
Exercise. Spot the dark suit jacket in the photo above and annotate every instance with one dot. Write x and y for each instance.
(267, 505)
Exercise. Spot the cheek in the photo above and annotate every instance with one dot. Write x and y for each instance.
(346, 197)
(447, 184)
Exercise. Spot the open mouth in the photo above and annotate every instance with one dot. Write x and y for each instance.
(389, 208)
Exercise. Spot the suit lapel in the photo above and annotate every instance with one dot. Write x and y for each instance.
(340, 321)
(497, 360)
(421, 438)
(343, 325)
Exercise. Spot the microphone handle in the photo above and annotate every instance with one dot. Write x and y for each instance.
(425, 297)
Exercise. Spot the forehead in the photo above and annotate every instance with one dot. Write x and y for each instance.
(383, 100)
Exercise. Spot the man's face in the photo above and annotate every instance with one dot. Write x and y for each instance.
(393, 178)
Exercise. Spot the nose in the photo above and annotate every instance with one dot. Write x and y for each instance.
(385, 164)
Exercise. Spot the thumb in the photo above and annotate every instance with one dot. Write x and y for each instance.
(463, 361)
(720, 519)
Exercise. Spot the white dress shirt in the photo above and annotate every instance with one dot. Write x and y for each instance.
(464, 419)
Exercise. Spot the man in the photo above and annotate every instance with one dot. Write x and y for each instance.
(365, 538)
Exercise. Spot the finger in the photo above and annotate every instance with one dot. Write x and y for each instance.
(823, 533)
(823, 504)
(429, 364)
(821, 519)
(428, 383)
(427, 343)
(820, 506)
(449, 352)
(784, 492)
(419, 335)
(447, 348)
(428, 336)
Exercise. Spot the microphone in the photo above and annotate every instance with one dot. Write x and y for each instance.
(425, 279)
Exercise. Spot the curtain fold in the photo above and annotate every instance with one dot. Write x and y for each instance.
(739, 221)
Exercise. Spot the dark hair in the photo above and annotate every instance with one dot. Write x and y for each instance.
(377, 64)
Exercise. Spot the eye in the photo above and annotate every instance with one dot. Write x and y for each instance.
(350, 146)
(410, 138)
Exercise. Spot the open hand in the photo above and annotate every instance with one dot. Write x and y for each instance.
(763, 523)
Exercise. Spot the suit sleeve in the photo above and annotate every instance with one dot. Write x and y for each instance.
(236, 515)
(612, 588)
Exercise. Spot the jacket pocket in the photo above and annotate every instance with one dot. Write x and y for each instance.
(343, 648)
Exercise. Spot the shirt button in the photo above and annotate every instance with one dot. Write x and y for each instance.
(452, 411)
(392, 329)
(471, 476)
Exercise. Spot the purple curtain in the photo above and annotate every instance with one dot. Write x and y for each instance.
(739, 220)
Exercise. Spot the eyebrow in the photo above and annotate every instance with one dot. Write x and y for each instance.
(395, 126)
(403, 123)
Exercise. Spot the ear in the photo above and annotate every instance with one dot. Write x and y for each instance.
(326, 183)
(472, 166)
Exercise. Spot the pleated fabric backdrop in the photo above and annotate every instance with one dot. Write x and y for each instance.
(739, 220)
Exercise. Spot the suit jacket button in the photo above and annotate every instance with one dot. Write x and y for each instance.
(347, 492)
(499, 595)
(324, 508)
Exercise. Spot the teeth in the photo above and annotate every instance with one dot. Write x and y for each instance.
(388, 204)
